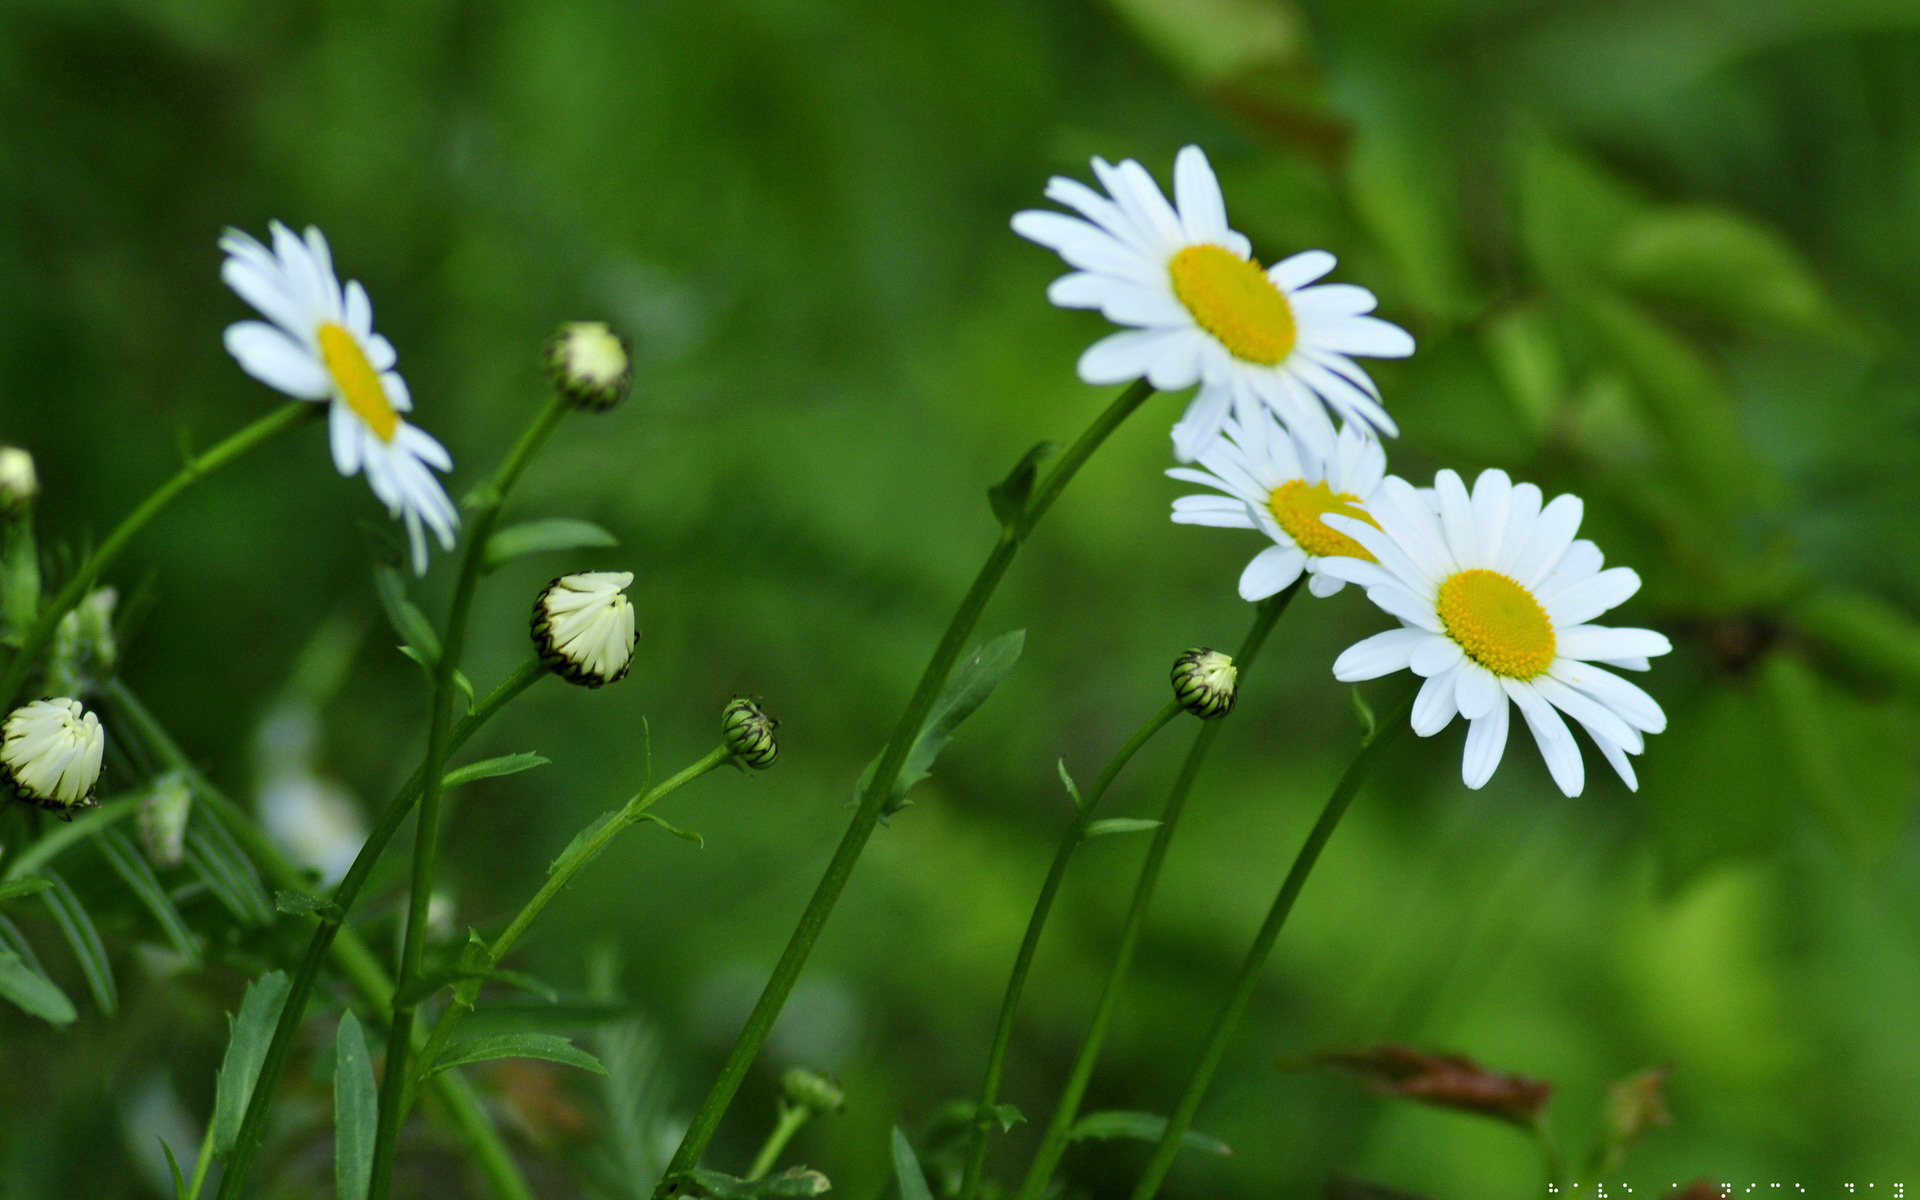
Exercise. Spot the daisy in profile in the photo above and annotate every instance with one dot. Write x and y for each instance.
(1495, 597)
(1282, 485)
(1202, 310)
(318, 343)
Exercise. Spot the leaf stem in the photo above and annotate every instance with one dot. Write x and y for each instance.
(792, 1118)
(1249, 975)
(827, 893)
(193, 471)
(1060, 1128)
(1070, 840)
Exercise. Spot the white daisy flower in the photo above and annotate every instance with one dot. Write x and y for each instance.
(320, 345)
(583, 627)
(1202, 311)
(1282, 485)
(1494, 597)
(50, 754)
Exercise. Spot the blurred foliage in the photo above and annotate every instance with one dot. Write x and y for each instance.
(1658, 252)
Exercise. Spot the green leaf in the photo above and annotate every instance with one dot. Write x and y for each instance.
(356, 1106)
(906, 1169)
(228, 875)
(1720, 263)
(1140, 1126)
(493, 768)
(1009, 496)
(1073, 790)
(1121, 825)
(132, 868)
(19, 580)
(794, 1183)
(300, 904)
(541, 537)
(23, 887)
(972, 682)
(173, 1166)
(1364, 714)
(78, 928)
(547, 1046)
(247, 1040)
(579, 839)
(1572, 214)
(1008, 1116)
(405, 616)
(32, 992)
(684, 834)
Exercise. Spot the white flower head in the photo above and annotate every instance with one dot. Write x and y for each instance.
(318, 343)
(50, 754)
(1202, 311)
(1495, 597)
(1283, 485)
(583, 627)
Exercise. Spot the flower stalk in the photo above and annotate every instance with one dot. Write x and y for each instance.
(1059, 1129)
(827, 893)
(1241, 991)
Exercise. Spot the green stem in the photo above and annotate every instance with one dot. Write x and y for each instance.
(1554, 1160)
(426, 835)
(201, 1165)
(1060, 1128)
(54, 841)
(195, 469)
(814, 918)
(352, 956)
(1249, 975)
(307, 974)
(792, 1118)
(1023, 961)
(571, 864)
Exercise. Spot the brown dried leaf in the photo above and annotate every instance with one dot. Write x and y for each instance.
(1447, 1081)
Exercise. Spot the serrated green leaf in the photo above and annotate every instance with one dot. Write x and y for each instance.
(1009, 496)
(301, 904)
(494, 768)
(684, 834)
(77, 927)
(547, 1046)
(906, 1169)
(356, 1105)
(32, 992)
(967, 689)
(541, 537)
(248, 1036)
(1121, 825)
(794, 1183)
(131, 866)
(1140, 1126)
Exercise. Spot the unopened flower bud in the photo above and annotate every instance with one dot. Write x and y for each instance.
(84, 649)
(1205, 683)
(50, 754)
(590, 364)
(19, 482)
(807, 1089)
(583, 627)
(163, 820)
(749, 733)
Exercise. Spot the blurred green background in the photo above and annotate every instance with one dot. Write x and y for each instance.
(1665, 253)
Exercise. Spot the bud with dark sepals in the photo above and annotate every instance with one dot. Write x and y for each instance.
(1206, 683)
(591, 364)
(749, 733)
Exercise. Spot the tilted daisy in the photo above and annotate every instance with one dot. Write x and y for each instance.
(318, 343)
(1495, 597)
(1203, 311)
(1282, 485)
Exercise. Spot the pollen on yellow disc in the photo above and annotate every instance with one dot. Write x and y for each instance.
(358, 382)
(1232, 299)
(1497, 622)
(1298, 506)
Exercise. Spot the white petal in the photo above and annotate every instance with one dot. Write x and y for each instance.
(1271, 569)
(1628, 699)
(1367, 336)
(1322, 584)
(1601, 643)
(273, 358)
(1477, 691)
(1122, 357)
(266, 290)
(1196, 193)
(1552, 534)
(1177, 366)
(1523, 512)
(359, 312)
(1381, 654)
(1456, 518)
(1433, 708)
(1584, 601)
(1601, 722)
(1492, 496)
(1486, 742)
(1555, 739)
(1436, 655)
(1200, 426)
(1399, 602)
(1300, 270)
(344, 431)
(1332, 300)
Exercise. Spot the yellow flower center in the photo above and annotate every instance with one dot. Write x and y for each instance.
(358, 382)
(1298, 506)
(1497, 622)
(1232, 299)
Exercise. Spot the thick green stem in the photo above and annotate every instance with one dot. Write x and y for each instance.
(1076, 833)
(792, 1118)
(872, 801)
(571, 864)
(196, 468)
(426, 836)
(1060, 1128)
(352, 956)
(1249, 975)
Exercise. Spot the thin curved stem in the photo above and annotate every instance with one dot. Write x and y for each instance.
(873, 800)
(426, 837)
(571, 864)
(1249, 975)
(1060, 1127)
(193, 471)
(792, 1117)
(1076, 832)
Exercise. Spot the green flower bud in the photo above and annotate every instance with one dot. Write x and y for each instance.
(50, 755)
(19, 482)
(1205, 682)
(749, 733)
(163, 820)
(84, 650)
(806, 1089)
(583, 627)
(590, 364)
